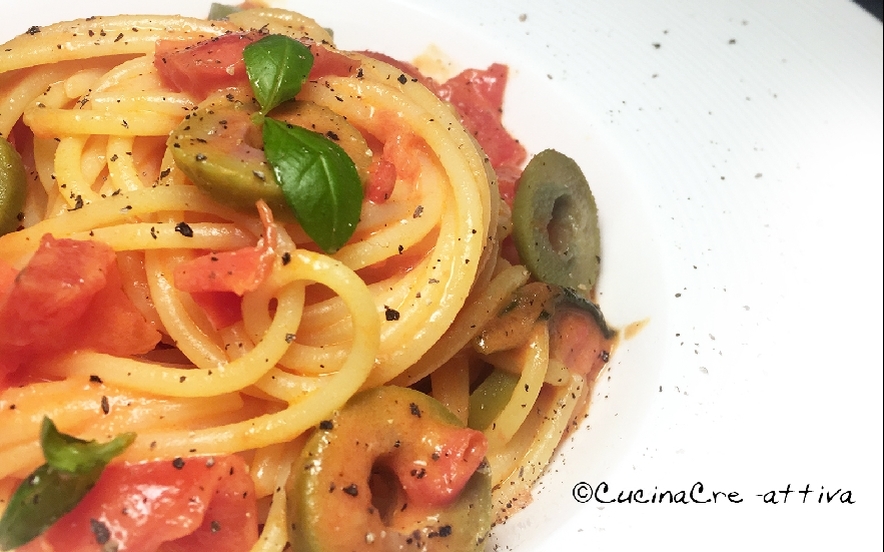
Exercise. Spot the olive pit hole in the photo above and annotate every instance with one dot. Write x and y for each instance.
(560, 229)
(387, 496)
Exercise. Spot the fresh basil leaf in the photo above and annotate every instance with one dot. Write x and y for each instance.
(73, 467)
(67, 453)
(277, 67)
(318, 180)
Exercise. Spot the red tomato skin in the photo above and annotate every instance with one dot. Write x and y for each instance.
(204, 67)
(477, 95)
(57, 285)
(577, 341)
(7, 279)
(69, 296)
(222, 308)
(192, 504)
(440, 481)
(217, 281)
(71, 284)
(217, 63)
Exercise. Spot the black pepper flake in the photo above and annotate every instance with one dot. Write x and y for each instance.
(105, 404)
(445, 531)
(200, 157)
(327, 425)
(78, 203)
(182, 379)
(415, 410)
(100, 531)
(333, 136)
(419, 474)
(165, 173)
(33, 30)
(656, 45)
(215, 526)
(402, 79)
(153, 232)
(289, 338)
(95, 379)
(184, 229)
(391, 314)
(351, 489)
(178, 463)
(114, 157)
(286, 258)
(418, 211)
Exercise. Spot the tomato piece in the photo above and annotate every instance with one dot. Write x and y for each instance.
(458, 454)
(7, 279)
(394, 161)
(184, 505)
(477, 95)
(508, 176)
(327, 63)
(69, 296)
(206, 66)
(217, 280)
(217, 63)
(222, 308)
(238, 271)
(577, 341)
(381, 180)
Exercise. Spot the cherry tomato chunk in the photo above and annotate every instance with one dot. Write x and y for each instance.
(187, 504)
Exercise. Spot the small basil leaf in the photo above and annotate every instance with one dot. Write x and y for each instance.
(277, 67)
(318, 180)
(50, 491)
(67, 453)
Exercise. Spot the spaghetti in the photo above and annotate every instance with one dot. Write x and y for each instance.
(416, 298)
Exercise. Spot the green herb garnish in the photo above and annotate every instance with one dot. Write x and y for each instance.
(72, 468)
(318, 179)
(277, 67)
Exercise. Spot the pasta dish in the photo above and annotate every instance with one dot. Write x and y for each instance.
(259, 292)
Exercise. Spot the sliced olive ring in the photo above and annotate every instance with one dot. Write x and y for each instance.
(555, 222)
(220, 149)
(360, 474)
(13, 185)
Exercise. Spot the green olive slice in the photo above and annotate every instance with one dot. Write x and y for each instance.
(348, 490)
(219, 148)
(13, 185)
(555, 222)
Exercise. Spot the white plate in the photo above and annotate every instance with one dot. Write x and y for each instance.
(735, 151)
